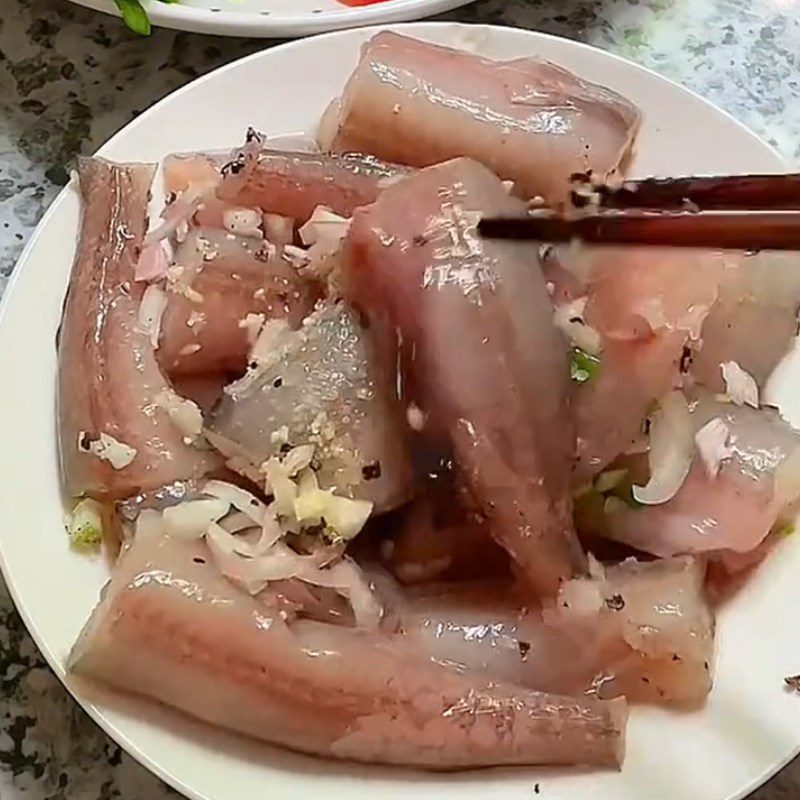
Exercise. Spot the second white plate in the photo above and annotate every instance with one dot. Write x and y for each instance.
(750, 727)
(281, 18)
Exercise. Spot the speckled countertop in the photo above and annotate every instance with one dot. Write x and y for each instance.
(69, 78)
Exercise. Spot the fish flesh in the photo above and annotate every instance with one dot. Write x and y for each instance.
(528, 120)
(114, 439)
(754, 321)
(488, 366)
(645, 308)
(294, 184)
(280, 182)
(319, 385)
(733, 510)
(639, 630)
(170, 628)
(218, 279)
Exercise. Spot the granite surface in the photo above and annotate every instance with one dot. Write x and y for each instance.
(69, 78)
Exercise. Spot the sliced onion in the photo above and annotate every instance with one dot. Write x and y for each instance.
(740, 385)
(253, 574)
(237, 522)
(151, 312)
(191, 519)
(347, 579)
(671, 450)
(239, 498)
(152, 264)
(243, 222)
(712, 444)
(180, 211)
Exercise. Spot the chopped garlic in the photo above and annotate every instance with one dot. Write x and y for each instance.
(415, 417)
(282, 487)
(151, 311)
(740, 385)
(280, 436)
(568, 318)
(243, 222)
(183, 413)
(177, 283)
(296, 256)
(343, 516)
(192, 518)
(323, 225)
(270, 337)
(252, 324)
(107, 448)
(712, 443)
(298, 458)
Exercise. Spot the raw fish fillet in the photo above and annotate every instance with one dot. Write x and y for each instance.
(320, 386)
(733, 511)
(528, 120)
(646, 306)
(642, 630)
(483, 360)
(230, 277)
(294, 184)
(754, 322)
(169, 628)
(108, 378)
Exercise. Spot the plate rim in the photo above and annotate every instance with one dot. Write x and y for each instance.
(261, 25)
(53, 660)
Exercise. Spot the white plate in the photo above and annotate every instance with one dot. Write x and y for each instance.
(278, 17)
(750, 727)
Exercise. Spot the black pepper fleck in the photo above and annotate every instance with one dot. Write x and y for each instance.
(686, 359)
(198, 560)
(371, 471)
(616, 602)
(524, 648)
(277, 383)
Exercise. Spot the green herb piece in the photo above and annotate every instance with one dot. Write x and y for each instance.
(610, 479)
(582, 366)
(85, 525)
(785, 530)
(614, 505)
(134, 16)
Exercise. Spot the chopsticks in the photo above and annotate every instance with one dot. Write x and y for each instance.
(740, 212)
(758, 230)
(709, 193)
